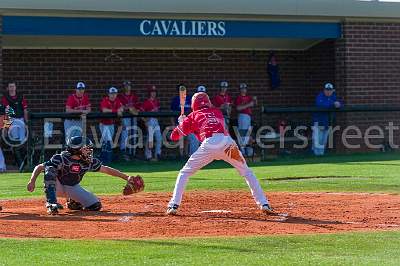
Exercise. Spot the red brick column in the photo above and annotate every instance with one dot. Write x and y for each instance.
(368, 70)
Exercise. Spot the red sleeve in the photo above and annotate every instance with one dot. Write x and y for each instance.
(237, 101)
(86, 101)
(70, 102)
(104, 104)
(145, 106)
(118, 104)
(24, 103)
(216, 102)
(183, 129)
(229, 99)
(135, 98)
(4, 101)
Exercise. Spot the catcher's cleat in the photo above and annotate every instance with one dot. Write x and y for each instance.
(172, 210)
(52, 208)
(267, 209)
(74, 205)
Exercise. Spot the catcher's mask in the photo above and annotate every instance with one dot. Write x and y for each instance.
(82, 147)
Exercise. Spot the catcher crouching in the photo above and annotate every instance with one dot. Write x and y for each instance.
(64, 171)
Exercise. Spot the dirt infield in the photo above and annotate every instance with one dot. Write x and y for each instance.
(218, 213)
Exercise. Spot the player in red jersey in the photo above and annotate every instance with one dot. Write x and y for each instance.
(207, 123)
(77, 102)
(224, 102)
(152, 104)
(130, 102)
(109, 104)
(243, 104)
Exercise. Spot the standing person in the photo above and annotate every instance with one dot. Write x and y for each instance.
(77, 103)
(224, 102)
(5, 122)
(244, 103)
(176, 107)
(64, 172)
(17, 131)
(152, 104)
(207, 123)
(321, 120)
(130, 103)
(109, 104)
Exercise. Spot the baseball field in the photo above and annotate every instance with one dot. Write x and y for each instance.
(333, 210)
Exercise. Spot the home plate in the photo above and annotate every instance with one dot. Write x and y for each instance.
(216, 211)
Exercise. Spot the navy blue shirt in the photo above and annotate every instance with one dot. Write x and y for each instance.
(176, 104)
(323, 101)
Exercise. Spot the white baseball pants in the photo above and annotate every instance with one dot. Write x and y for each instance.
(217, 147)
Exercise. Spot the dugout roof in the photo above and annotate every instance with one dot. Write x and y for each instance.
(180, 24)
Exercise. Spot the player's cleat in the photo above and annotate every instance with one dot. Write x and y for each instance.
(267, 209)
(74, 205)
(52, 208)
(172, 210)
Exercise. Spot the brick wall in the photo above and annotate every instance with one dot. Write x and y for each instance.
(44, 73)
(368, 68)
(46, 77)
(1, 52)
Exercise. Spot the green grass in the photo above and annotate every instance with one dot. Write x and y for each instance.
(339, 249)
(379, 172)
(376, 172)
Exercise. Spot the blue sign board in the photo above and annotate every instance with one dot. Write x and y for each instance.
(73, 26)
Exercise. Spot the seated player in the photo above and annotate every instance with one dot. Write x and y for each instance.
(64, 171)
(207, 123)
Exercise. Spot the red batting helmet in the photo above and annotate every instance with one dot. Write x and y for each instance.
(200, 100)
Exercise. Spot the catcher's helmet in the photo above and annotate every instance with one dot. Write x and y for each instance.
(82, 147)
(200, 100)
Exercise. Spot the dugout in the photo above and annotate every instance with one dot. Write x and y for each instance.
(46, 46)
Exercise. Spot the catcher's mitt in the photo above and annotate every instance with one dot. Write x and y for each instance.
(135, 184)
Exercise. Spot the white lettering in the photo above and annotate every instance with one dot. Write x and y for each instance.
(182, 27)
(212, 26)
(165, 26)
(184, 32)
(221, 27)
(175, 29)
(142, 25)
(202, 28)
(156, 29)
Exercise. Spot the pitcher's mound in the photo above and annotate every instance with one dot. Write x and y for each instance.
(204, 213)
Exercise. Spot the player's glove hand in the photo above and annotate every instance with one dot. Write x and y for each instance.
(181, 118)
(135, 184)
(52, 208)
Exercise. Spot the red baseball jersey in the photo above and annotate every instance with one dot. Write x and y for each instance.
(221, 99)
(151, 105)
(130, 100)
(240, 100)
(202, 123)
(5, 102)
(78, 103)
(108, 104)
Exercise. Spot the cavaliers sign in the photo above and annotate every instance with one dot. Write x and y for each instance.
(192, 28)
(151, 28)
